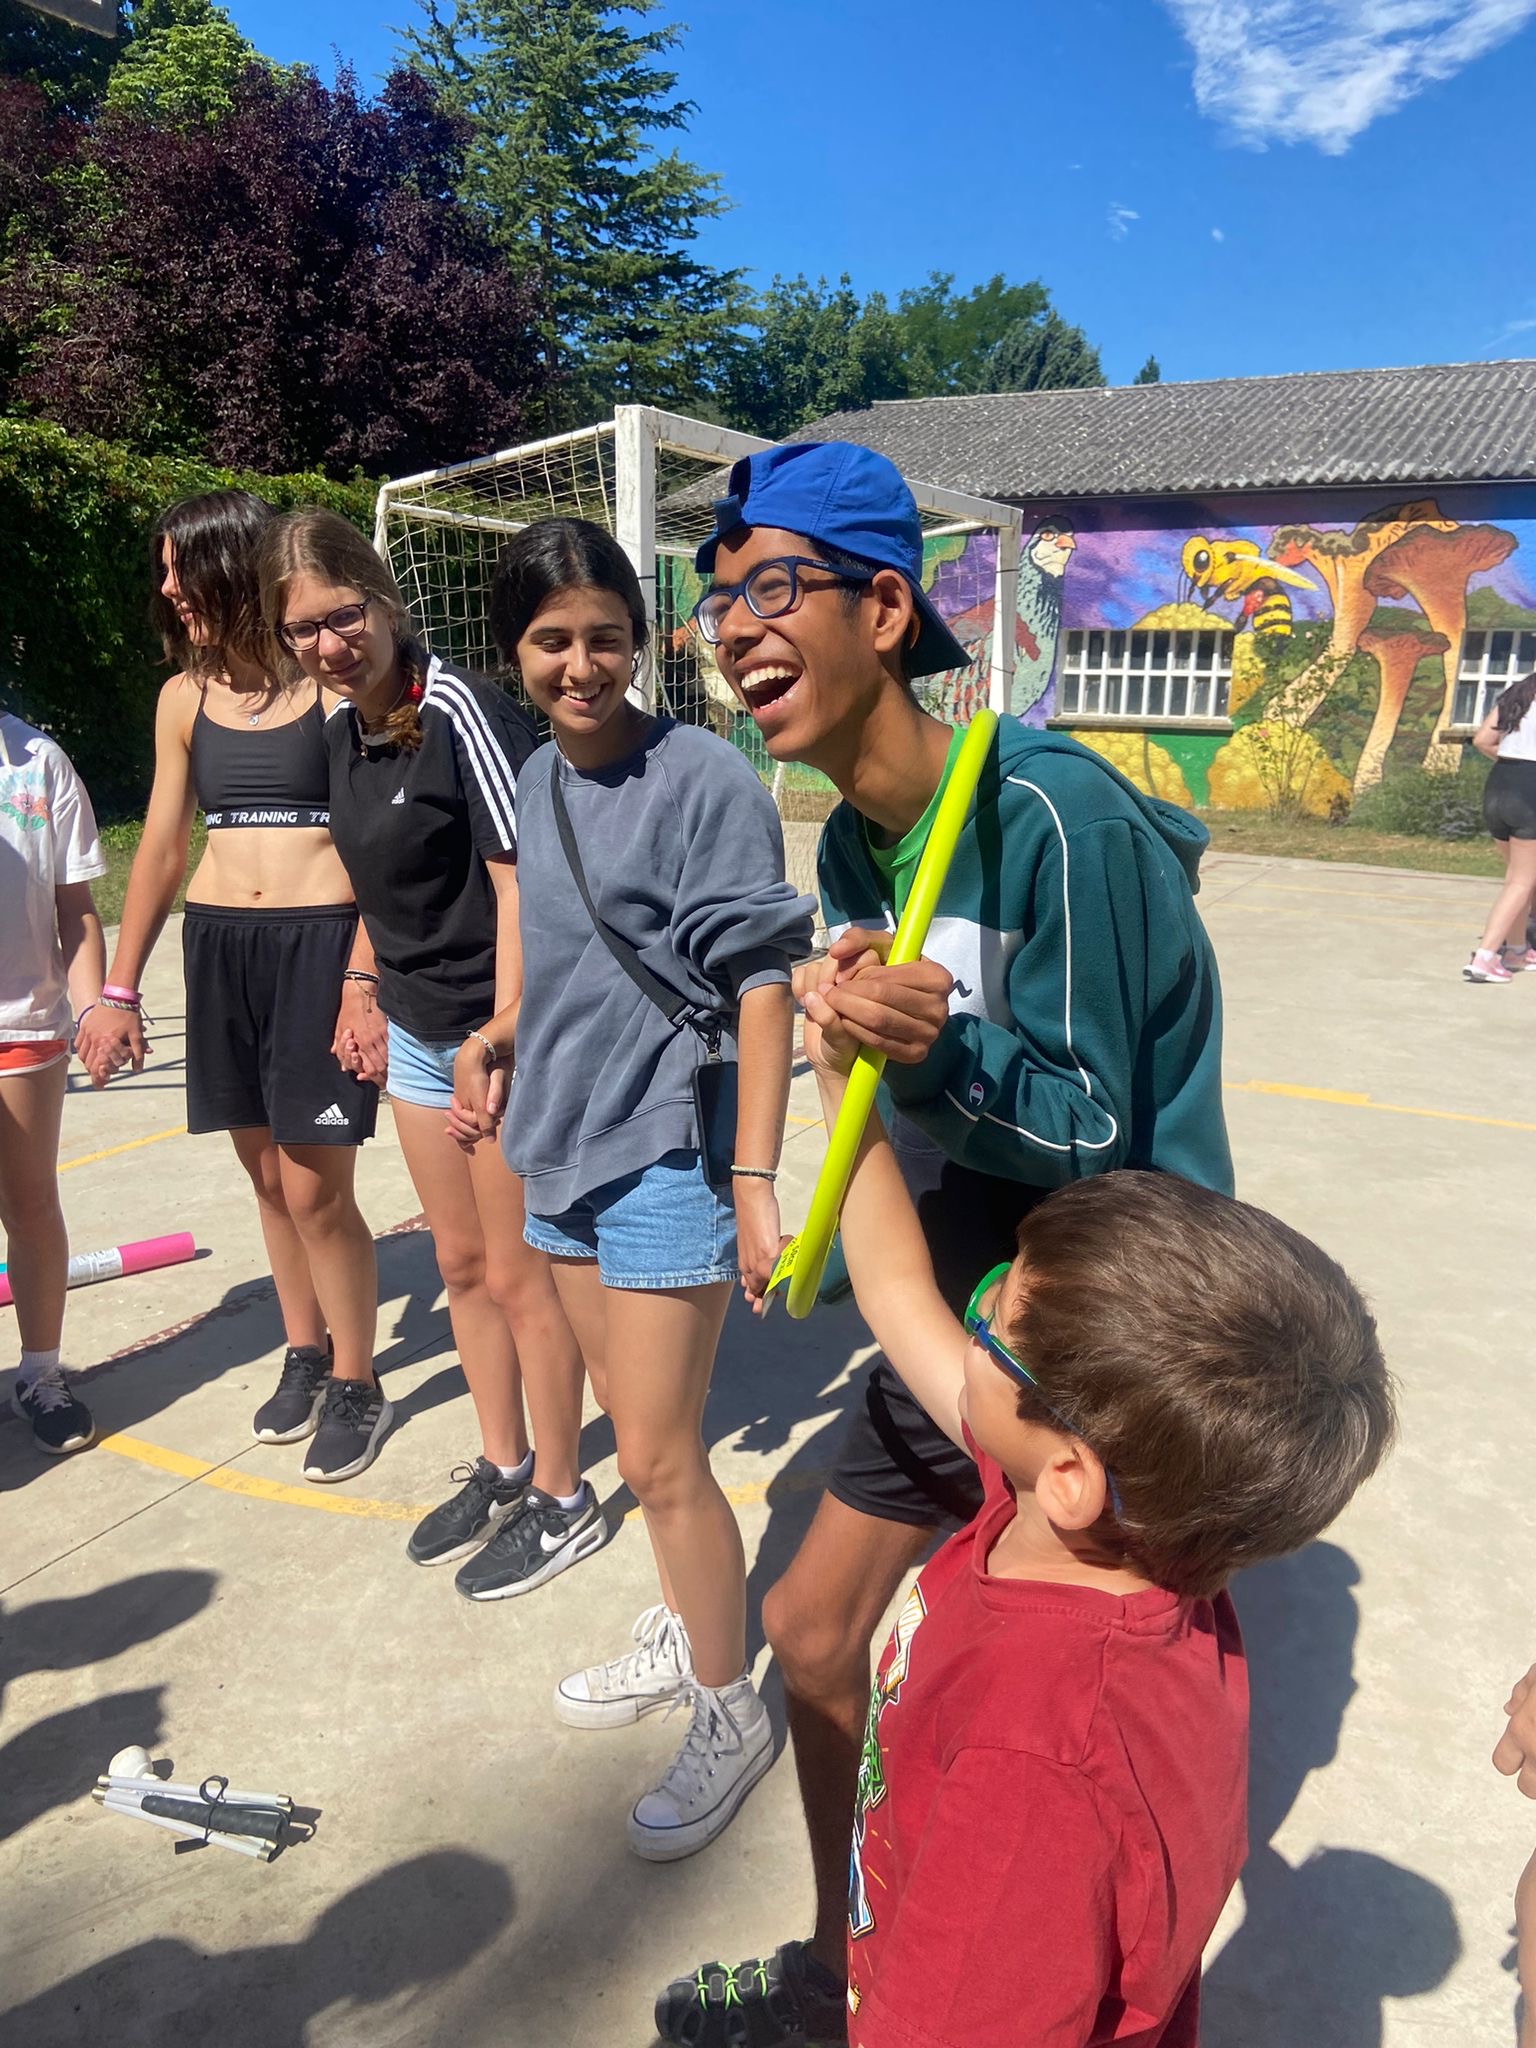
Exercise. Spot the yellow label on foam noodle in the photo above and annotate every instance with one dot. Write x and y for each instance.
(784, 1265)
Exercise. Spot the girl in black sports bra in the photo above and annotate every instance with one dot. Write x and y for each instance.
(267, 933)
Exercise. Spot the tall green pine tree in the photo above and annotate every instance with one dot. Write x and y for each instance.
(565, 104)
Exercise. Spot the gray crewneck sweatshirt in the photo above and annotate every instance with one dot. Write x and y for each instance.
(684, 858)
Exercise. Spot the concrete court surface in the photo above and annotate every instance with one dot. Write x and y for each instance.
(468, 1880)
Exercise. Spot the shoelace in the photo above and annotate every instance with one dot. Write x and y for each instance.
(712, 1730)
(657, 1634)
(348, 1399)
(481, 1477)
(300, 1367)
(50, 1390)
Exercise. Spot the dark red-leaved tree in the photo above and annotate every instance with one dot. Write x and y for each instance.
(296, 287)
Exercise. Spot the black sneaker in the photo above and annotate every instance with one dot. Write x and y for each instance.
(462, 1524)
(60, 1420)
(786, 1997)
(294, 1409)
(355, 1418)
(540, 1539)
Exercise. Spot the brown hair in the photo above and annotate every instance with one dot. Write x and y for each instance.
(315, 542)
(1225, 1371)
(214, 539)
(1514, 704)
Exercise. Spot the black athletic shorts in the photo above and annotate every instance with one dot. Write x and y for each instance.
(894, 1463)
(263, 988)
(1509, 800)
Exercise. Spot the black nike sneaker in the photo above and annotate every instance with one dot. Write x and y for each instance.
(536, 1541)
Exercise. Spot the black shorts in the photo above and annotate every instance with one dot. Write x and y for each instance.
(1509, 800)
(263, 988)
(894, 1463)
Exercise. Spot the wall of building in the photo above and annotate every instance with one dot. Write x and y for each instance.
(1348, 613)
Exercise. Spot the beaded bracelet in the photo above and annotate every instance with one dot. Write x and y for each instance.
(754, 1173)
(134, 1009)
(495, 1055)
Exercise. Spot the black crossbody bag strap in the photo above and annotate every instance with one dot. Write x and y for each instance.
(675, 1008)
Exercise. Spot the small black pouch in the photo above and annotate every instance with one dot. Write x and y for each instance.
(714, 1083)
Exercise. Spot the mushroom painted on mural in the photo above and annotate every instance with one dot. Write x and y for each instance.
(1397, 655)
(1342, 556)
(1433, 567)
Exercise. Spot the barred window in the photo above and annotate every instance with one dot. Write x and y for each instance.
(1491, 660)
(1159, 674)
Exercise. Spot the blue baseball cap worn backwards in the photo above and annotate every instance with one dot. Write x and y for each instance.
(842, 496)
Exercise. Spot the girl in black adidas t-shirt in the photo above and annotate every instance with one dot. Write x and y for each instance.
(423, 784)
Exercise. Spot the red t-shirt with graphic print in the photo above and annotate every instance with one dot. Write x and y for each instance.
(1052, 1809)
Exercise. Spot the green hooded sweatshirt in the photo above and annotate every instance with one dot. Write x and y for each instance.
(1085, 1025)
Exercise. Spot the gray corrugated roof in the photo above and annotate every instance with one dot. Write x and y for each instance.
(1440, 423)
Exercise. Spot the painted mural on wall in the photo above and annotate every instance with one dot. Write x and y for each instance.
(1347, 614)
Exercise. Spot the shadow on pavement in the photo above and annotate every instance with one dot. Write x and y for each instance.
(56, 1760)
(411, 1926)
(1323, 1942)
(129, 1390)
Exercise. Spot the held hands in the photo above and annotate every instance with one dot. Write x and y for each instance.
(1515, 1755)
(479, 1095)
(108, 1040)
(851, 998)
(361, 1043)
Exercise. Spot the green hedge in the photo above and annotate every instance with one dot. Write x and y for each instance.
(76, 653)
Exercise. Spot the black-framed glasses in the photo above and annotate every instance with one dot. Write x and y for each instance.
(347, 622)
(770, 590)
(978, 1327)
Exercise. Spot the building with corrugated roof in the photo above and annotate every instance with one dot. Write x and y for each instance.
(1252, 592)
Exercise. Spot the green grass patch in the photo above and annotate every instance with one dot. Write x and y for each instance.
(119, 843)
(1314, 839)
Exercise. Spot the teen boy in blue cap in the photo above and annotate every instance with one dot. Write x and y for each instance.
(1064, 1021)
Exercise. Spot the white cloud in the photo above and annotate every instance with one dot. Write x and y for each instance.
(1120, 217)
(1506, 334)
(1292, 71)
(1217, 235)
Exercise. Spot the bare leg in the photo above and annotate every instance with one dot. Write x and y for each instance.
(1511, 904)
(441, 1176)
(37, 1246)
(520, 1283)
(303, 1320)
(663, 1348)
(317, 1182)
(1525, 1951)
(585, 1301)
(819, 1619)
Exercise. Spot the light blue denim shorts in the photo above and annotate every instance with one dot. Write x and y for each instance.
(664, 1226)
(420, 1070)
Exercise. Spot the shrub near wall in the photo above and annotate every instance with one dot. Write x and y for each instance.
(76, 653)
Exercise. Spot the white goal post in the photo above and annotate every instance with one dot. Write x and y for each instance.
(651, 478)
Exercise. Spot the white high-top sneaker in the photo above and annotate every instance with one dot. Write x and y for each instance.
(728, 1747)
(649, 1676)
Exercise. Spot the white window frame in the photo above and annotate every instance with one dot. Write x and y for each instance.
(1132, 677)
(1487, 678)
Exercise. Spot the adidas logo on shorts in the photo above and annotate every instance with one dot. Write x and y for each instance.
(398, 797)
(333, 1117)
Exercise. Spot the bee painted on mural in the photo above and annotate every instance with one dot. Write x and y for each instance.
(1238, 572)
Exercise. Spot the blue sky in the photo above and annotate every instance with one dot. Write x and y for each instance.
(1286, 185)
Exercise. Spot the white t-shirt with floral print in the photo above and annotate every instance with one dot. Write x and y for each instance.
(47, 837)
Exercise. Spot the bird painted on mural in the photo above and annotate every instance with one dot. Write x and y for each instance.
(1042, 572)
(1237, 572)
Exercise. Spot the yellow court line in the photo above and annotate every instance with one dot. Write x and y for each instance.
(749, 1493)
(1347, 1100)
(132, 1145)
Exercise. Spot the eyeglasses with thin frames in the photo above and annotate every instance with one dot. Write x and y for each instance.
(978, 1327)
(770, 590)
(347, 622)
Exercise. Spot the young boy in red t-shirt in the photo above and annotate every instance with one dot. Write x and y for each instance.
(1163, 1386)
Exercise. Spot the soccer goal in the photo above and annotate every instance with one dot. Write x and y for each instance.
(651, 478)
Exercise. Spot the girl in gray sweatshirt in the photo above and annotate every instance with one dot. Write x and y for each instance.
(658, 934)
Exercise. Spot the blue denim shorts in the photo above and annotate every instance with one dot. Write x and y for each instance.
(664, 1226)
(420, 1071)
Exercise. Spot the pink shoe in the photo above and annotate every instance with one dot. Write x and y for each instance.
(1485, 967)
(1518, 956)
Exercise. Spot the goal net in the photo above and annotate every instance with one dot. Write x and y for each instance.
(651, 478)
